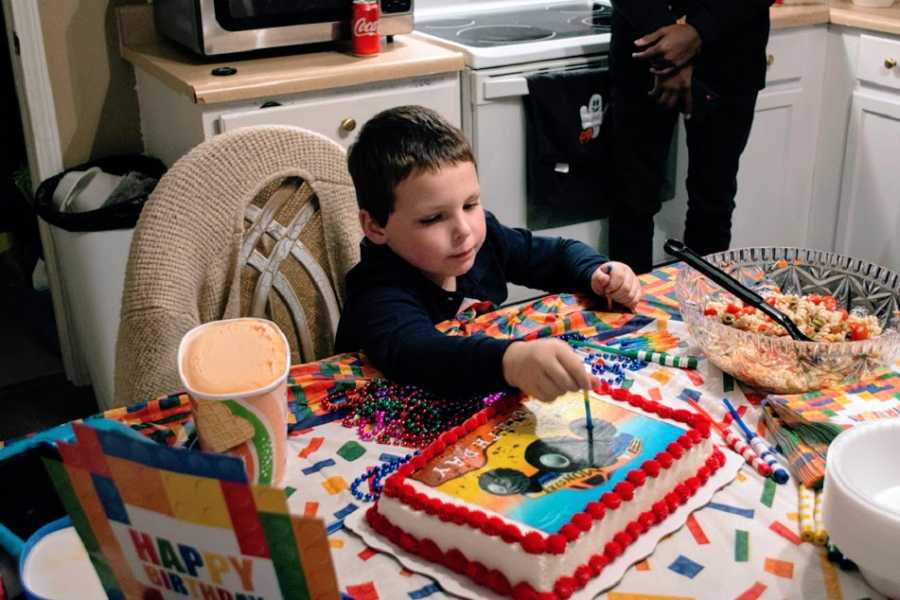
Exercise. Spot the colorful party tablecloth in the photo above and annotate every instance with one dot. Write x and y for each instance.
(745, 544)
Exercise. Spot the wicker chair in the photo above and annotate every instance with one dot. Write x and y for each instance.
(258, 222)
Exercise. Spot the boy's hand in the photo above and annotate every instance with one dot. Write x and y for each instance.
(618, 282)
(545, 369)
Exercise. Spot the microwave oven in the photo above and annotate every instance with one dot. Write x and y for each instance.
(211, 27)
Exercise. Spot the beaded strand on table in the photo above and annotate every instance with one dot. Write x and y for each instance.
(403, 414)
(374, 475)
(605, 365)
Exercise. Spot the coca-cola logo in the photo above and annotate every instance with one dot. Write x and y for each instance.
(363, 26)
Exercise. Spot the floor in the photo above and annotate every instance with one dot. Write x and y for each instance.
(34, 392)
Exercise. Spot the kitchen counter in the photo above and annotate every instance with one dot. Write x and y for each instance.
(274, 74)
(839, 12)
(784, 17)
(885, 20)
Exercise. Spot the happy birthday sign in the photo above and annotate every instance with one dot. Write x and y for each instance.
(167, 523)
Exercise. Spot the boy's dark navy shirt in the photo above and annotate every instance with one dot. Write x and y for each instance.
(391, 307)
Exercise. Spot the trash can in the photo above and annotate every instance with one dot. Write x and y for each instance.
(91, 211)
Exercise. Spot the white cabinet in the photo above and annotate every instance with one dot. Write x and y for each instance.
(340, 116)
(172, 124)
(775, 178)
(869, 221)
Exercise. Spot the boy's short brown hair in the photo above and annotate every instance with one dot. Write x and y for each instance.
(395, 143)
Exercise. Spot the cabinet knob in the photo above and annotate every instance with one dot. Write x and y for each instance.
(770, 60)
(348, 124)
(890, 63)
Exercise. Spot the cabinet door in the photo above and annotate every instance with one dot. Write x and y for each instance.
(340, 116)
(775, 174)
(869, 222)
(775, 178)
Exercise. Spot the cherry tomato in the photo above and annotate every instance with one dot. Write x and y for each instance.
(858, 331)
(829, 302)
(710, 312)
(733, 309)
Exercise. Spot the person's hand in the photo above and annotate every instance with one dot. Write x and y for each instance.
(669, 48)
(618, 282)
(545, 369)
(675, 90)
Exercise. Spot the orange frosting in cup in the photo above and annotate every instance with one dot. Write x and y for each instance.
(234, 357)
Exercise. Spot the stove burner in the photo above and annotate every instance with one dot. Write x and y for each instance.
(596, 23)
(448, 24)
(504, 34)
(598, 18)
(595, 8)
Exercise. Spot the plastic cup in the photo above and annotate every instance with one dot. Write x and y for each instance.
(247, 423)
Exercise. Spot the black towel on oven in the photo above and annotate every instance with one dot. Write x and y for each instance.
(567, 145)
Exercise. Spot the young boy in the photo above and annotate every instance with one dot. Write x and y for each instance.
(431, 249)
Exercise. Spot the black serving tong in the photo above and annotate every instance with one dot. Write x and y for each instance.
(732, 285)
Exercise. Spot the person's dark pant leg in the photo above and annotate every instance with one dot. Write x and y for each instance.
(642, 134)
(715, 141)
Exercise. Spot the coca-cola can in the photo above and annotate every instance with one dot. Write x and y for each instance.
(364, 28)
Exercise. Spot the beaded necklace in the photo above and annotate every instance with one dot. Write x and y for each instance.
(608, 367)
(375, 475)
(403, 414)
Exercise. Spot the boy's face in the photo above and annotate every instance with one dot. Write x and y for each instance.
(437, 224)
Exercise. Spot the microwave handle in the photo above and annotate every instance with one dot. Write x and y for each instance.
(505, 87)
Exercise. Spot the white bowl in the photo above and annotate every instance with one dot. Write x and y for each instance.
(862, 501)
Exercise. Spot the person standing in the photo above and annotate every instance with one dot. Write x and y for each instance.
(705, 59)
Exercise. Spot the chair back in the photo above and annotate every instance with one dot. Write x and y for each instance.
(261, 222)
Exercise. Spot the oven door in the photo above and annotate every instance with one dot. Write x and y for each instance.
(494, 120)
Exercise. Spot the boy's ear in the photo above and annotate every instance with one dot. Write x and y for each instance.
(371, 228)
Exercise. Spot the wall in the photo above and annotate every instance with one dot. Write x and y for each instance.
(93, 88)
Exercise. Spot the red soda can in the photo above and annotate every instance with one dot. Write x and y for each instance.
(364, 28)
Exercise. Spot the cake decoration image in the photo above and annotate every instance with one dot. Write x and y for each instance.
(538, 465)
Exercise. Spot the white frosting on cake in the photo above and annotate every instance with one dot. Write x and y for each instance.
(539, 570)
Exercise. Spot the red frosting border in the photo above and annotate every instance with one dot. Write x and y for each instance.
(535, 543)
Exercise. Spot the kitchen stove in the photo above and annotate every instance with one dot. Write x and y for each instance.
(504, 43)
(492, 34)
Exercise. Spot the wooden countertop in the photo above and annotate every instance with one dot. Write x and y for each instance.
(784, 17)
(885, 20)
(190, 74)
(839, 12)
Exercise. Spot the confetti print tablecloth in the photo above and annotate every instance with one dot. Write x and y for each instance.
(744, 545)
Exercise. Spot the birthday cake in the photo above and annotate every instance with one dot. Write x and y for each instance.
(525, 499)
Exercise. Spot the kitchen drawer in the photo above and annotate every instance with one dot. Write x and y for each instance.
(785, 54)
(879, 61)
(340, 116)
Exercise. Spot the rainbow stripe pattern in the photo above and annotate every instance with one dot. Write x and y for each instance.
(159, 522)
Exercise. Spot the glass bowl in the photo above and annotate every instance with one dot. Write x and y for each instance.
(781, 364)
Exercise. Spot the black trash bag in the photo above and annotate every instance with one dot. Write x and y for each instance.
(121, 215)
